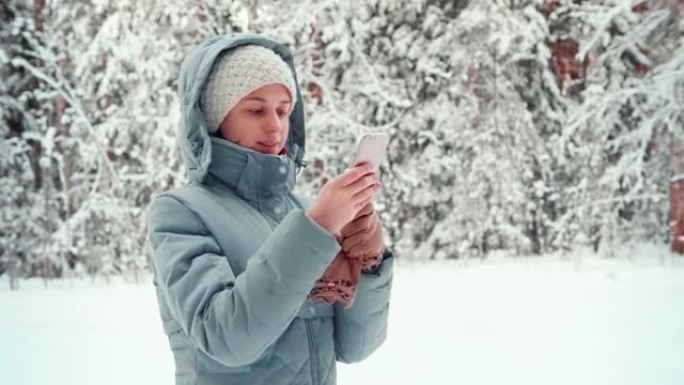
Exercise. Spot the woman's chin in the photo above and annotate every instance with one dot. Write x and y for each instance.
(266, 149)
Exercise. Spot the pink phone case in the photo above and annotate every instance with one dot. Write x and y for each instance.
(372, 149)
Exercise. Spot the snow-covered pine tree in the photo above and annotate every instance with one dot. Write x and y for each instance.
(33, 192)
(525, 126)
(626, 115)
(443, 86)
(124, 61)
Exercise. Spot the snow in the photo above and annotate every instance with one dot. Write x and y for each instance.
(554, 320)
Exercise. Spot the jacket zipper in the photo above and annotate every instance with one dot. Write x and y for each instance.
(312, 351)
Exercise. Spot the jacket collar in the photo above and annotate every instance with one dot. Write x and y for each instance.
(250, 174)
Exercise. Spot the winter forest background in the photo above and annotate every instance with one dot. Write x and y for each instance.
(519, 126)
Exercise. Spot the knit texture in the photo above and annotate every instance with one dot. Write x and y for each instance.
(236, 74)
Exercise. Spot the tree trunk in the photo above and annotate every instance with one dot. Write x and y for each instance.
(63, 130)
(677, 182)
(48, 273)
(317, 60)
(38, 6)
(252, 7)
(676, 219)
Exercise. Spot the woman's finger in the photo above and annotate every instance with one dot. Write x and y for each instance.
(367, 209)
(352, 175)
(362, 197)
(360, 205)
(361, 184)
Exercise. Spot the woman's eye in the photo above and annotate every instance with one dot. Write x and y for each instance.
(282, 113)
(256, 111)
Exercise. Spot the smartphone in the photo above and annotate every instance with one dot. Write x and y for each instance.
(372, 149)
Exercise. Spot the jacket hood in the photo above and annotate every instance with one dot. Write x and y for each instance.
(194, 139)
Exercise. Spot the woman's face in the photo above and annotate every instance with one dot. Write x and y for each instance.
(260, 120)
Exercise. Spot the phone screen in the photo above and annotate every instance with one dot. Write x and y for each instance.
(372, 149)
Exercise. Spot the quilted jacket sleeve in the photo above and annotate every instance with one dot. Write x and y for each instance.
(232, 318)
(361, 329)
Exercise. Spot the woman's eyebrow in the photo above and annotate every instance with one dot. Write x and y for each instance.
(260, 99)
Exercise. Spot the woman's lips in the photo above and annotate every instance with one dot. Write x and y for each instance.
(271, 146)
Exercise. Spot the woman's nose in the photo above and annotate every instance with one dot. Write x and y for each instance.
(273, 122)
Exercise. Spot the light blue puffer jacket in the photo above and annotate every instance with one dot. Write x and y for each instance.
(235, 257)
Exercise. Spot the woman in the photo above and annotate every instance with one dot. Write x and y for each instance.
(236, 253)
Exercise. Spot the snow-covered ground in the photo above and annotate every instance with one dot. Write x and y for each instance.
(502, 321)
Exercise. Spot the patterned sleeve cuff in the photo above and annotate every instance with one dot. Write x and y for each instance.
(386, 254)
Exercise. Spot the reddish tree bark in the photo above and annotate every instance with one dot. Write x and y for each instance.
(641, 7)
(563, 62)
(38, 6)
(549, 6)
(640, 69)
(317, 59)
(676, 217)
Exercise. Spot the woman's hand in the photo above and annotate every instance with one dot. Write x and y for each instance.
(339, 200)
